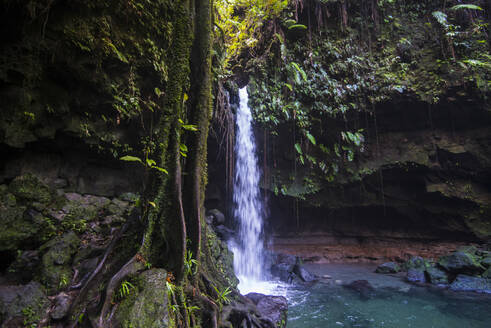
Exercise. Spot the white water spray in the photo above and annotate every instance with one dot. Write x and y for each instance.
(248, 208)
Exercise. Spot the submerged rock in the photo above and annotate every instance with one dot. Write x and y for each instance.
(363, 287)
(389, 267)
(471, 284)
(416, 275)
(274, 308)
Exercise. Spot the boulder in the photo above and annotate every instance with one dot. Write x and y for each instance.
(146, 305)
(471, 284)
(29, 188)
(22, 305)
(415, 262)
(389, 267)
(436, 276)
(283, 271)
(218, 217)
(224, 233)
(460, 262)
(416, 275)
(303, 274)
(61, 306)
(56, 271)
(274, 308)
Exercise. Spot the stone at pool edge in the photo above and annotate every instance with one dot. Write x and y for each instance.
(388, 267)
(436, 276)
(416, 275)
(460, 262)
(471, 284)
(274, 308)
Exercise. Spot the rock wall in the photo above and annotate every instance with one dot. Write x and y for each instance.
(421, 187)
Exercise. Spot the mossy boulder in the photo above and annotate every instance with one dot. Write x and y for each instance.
(22, 227)
(56, 269)
(461, 262)
(29, 188)
(22, 305)
(415, 262)
(146, 305)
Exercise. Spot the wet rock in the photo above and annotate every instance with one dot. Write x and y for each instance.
(224, 233)
(146, 306)
(283, 271)
(274, 308)
(389, 267)
(363, 287)
(416, 275)
(218, 217)
(303, 274)
(460, 262)
(436, 276)
(25, 304)
(471, 284)
(61, 306)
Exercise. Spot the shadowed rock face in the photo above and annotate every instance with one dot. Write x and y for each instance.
(421, 187)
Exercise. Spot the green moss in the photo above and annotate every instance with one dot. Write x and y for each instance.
(56, 269)
(145, 306)
(29, 188)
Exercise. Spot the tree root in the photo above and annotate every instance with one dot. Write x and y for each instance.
(131, 267)
(85, 281)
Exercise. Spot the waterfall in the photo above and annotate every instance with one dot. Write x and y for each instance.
(248, 249)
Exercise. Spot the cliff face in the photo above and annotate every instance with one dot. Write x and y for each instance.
(421, 186)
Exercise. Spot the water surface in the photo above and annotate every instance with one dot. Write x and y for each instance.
(393, 303)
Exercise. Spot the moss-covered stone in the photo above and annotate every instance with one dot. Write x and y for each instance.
(22, 305)
(29, 188)
(146, 306)
(56, 270)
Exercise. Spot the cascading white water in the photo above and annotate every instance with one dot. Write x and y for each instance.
(248, 208)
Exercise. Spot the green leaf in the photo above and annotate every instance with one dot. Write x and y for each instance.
(300, 70)
(311, 138)
(298, 148)
(301, 159)
(151, 162)
(466, 6)
(128, 158)
(157, 92)
(289, 86)
(297, 26)
(160, 169)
